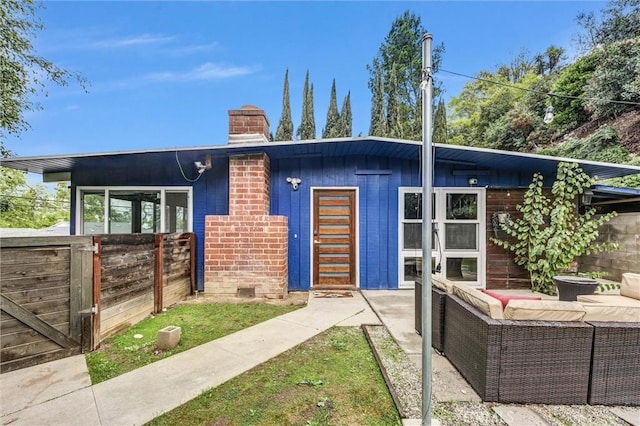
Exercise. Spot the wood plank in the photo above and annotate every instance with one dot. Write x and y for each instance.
(46, 281)
(34, 270)
(38, 294)
(9, 324)
(126, 239)
(27, 336)
(333, 212)
(29, 255)
(30, 361)
(334, 268)
(34, 322)
(334, 250)
(43, 241)
(158, 276)
(29, 349)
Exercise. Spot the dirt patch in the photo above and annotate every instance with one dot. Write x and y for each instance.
(627, 126)
(293, 298)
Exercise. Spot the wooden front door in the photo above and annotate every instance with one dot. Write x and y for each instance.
(334, 239)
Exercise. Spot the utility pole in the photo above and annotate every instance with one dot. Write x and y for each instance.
(427, 225)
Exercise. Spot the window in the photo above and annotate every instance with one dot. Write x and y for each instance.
(458, 239)
(133, 210)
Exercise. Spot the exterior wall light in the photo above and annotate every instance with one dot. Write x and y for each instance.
(294, 182)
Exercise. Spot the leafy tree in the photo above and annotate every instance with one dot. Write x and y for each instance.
(616, 77)
(285, 127)
(378, 126)
(548, 62)
(332, 126)
(307, 129)
(569, 108)
(440, 124)
(24, 72)
(346, 120)
(620, 20)
(549, 235)
(403, 47)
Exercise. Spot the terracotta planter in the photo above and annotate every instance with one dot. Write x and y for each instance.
(569, 287)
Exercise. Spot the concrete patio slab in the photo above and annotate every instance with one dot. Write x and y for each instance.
(518, 415)
(630, 415)
(34, 385)
(76, 408)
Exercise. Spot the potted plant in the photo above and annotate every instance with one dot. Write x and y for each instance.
(549, 234)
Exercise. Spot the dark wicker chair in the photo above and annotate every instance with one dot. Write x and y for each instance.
(615, 366)
(438, 298)
(536, 362)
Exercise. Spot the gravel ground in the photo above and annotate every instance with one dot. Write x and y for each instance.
(404, 379)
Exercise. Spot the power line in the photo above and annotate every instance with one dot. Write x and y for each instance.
(551, 94)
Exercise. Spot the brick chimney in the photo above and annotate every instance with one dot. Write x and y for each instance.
(248, 124)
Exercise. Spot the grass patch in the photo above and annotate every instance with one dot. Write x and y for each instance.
(200, 324)
(331, 379)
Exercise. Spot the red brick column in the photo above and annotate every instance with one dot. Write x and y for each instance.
(248, 248)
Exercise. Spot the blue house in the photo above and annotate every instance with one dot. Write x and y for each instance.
(300, 215)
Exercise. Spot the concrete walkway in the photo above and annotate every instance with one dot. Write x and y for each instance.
(60, 393)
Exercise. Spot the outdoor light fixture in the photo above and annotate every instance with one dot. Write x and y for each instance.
(203, 166)
(294, 182)
(548, 115)
(586, 197)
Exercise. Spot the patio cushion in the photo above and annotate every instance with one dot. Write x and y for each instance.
(485, 303)
(544, 310)
(504, 298)
(611, 312)
(442, 284)
(610, 299)
(630, 285)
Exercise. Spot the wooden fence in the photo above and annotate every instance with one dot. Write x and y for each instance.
(45, 285)
(140, 274)
(64, 295)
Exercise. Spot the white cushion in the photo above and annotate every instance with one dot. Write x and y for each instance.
(544, 310)
(611, 312)
(630, 286)
(442, 284)
(486, 304)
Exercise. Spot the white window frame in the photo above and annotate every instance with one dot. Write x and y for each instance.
(107, 189)
(440, 252)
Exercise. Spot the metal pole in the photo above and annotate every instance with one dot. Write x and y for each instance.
(427, 226)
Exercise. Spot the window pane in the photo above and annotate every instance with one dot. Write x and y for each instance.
(412, 268)
(177, 211)
(462, 268)
(134, 212)
(413, 205)
(461, 236)
(412, 236)
(93, 212)
(462, 206)
(120, 216)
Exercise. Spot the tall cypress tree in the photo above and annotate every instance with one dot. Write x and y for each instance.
(394, 126)
(307, 129)
(285, 127)
(346, 120)
(378, 124)
(332, 126)
(440, 124)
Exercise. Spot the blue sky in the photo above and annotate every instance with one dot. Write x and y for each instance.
(164, 74)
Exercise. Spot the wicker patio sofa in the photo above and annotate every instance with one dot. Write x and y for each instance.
(615, 364)
(539, 362)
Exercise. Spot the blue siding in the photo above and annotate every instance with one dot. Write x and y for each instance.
(377, 202)
(210, 193)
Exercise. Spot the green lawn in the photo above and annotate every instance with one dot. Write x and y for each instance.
(200, 323)
(331, 379)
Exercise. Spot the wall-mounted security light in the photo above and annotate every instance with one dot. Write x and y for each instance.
(473, 181)
(294, 182)
(587, 196)
(203, 166)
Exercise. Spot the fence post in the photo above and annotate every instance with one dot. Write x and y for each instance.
(158, 280)
(97, 289)
(192, 255)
